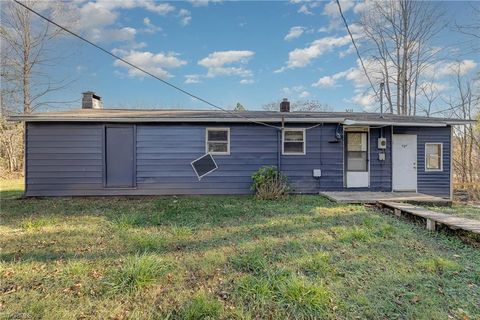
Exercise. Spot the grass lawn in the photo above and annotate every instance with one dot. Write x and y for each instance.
(226, 257)
(464, 211)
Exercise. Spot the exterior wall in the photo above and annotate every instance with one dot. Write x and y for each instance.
(63, 159)
(68, 159)
(431, 182)
(380, 170)
(164, 154)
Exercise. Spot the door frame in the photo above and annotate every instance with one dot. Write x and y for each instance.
(104, 153)
(416, 161)
(357, 129)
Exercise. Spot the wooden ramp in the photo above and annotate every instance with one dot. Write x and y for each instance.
(434, 218)
(366, 197)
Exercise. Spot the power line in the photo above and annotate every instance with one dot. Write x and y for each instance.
(356, 48)
(143, 70)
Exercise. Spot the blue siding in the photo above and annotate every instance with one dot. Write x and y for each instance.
(433, 182)
(67, 159)
(380, 171)
(63, 159)
(164, 154)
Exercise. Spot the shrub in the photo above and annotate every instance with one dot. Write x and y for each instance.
(269, 183)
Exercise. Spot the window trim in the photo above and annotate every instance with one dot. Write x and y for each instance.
(441, 157)
(304, 142)
(228, 141)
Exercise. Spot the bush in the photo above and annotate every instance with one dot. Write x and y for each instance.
(269, 183)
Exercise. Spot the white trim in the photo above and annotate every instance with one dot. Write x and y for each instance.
(304, 142)
(441, 156)
(349, 122)
(203, 175)
(228, 141)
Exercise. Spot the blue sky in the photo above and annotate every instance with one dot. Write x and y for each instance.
(252, 52)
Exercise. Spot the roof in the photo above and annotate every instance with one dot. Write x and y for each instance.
(156, 115)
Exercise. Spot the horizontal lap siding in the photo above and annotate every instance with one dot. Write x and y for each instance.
(164, 154)
(321, 153)
(63, 159)
(431, 182)
(380, 170)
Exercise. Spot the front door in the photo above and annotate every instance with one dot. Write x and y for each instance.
(404, 162)
(119, 156)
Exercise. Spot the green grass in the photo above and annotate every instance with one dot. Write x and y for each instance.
(226, 258)
(461, 210)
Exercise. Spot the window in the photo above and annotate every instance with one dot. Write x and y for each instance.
(433, 157)
(294, 142)
(218, 141)
(357, 146)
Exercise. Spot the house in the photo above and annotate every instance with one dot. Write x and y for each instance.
(97, 151)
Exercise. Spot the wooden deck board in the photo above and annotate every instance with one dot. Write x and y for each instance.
(446, 219)
(363, 197)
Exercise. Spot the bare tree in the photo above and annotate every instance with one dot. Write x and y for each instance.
(465, 104)
(300, 105)
(27, 54)
(397, 38)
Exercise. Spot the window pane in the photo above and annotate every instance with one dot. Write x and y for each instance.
(357, 141)
(433, 156)
(433, 161)
(293, 147)
(294, 136)
(214, 135)
(217, 147)
(357, 161)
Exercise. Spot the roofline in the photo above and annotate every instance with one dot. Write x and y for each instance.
(153, 119)
(342, 120)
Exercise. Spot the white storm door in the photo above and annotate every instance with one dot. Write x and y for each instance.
(404, 162)
(357, 160)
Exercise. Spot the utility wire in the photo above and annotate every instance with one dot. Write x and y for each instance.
(143, 70)
(356, 48)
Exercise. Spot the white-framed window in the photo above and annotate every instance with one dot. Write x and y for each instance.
(294, 142)
(433, 157)
(217, 141)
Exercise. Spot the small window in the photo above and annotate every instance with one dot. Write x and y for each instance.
(218, 141)
(357, 149)
(433, 157)
(294, 141)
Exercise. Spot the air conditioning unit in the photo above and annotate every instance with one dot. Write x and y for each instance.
(382, 143)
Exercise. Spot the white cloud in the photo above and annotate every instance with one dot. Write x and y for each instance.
(294, 33)
(296, 90)
(112, 35)
(444, 68)
(185, 17)
(247, 81)
(325, 82)
(151, 62)
(192, 78)
(150, 27)
(202, 3)
(365, 99)
(305, 10)
(299, 58)
(218, 63)
(304, 94)
(331, 8)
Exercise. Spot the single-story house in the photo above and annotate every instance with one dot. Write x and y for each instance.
(97, 151)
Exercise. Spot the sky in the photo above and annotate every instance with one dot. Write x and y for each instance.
(252, 52)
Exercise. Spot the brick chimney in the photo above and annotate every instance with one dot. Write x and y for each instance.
(91, 101)
(285, 105)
